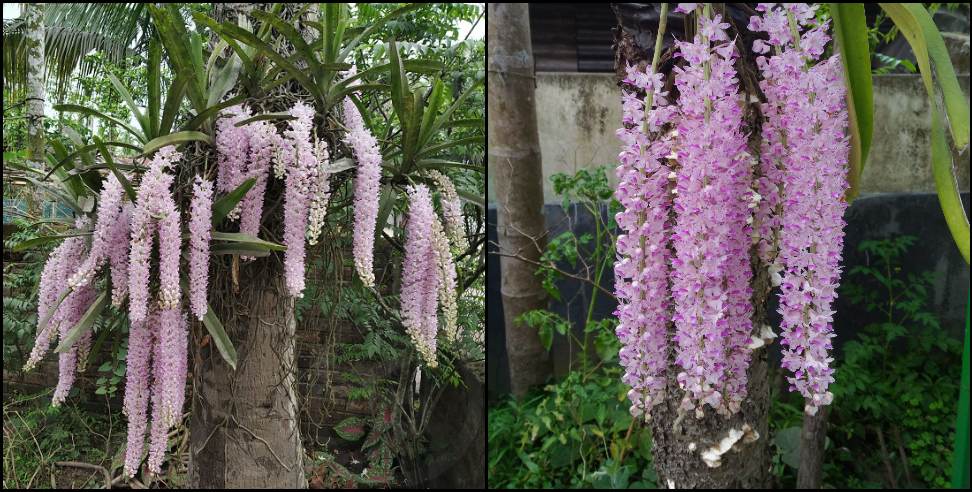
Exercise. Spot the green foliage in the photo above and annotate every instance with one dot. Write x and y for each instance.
(588, 254)
(897, 378)
(36, 436)
(577, 432)
(20, 282)
(573, 434)
(112, 371)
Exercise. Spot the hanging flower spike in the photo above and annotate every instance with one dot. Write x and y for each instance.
(320, 193)
(138, 362)
(712, 231)
(302, 166)
(233, 146)
(641, 272)
(53, 281)
(446, 270)
(68, 315)
(366, 188)
(419, 277)
(200, 233)
(813, 122)
(262, 149)
(118, 254)
(451, 209)
(109, 206)
(153, 199)
(168, 388)
(170, 248)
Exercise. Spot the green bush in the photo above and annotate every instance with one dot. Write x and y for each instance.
(896, 384)
(575, 433)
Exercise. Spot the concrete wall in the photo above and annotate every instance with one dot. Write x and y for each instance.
(578, 114)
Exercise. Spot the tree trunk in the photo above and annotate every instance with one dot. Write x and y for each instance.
(812, 439)
(514, 156)
(678, 443)
(245, 430)
(245, 426)
(36, 90)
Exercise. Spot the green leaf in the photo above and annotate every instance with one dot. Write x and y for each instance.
(57, 193)
(247, 241)
(411, 131)
(126, 96)
(234, 249)
(477, 200)
(74, 108)
(218, 334)
(266, 116)
(545, 333)
(929, 48)
(375, 26)
(433, 149)
(226, 203)
(114, 170)
(251, 39)
(441, 121)
(37, 241)
(960, 460)
(223, 80)
(84, 324)
(386, 203)
(465, 123)
(173, 99)
(198, 120)
(916, 23)
(350, 429)
(154, 86)
(175, 139)
(399, 85)
(288, 31)
(788, 441)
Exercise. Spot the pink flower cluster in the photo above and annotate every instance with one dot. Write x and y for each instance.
(200, 233)
(157, 368)
(686, 229)
(419, 274)
(641, 274)
(74, 306)
(446, 270)
(451, 209)
(320, 193)
(109, 208)
(233, 147)
(807, 122)
(298, 154)
(118, 253)
(62, 263)
(262, 145)
(366, 189)
(155, 211)
(711, 237)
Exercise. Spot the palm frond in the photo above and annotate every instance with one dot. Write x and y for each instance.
(71, 32)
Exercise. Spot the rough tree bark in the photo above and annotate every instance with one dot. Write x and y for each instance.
(245, 428)
(244, 431)
(812, 440)
(36, 90)
(514, 157)
(679, 442)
